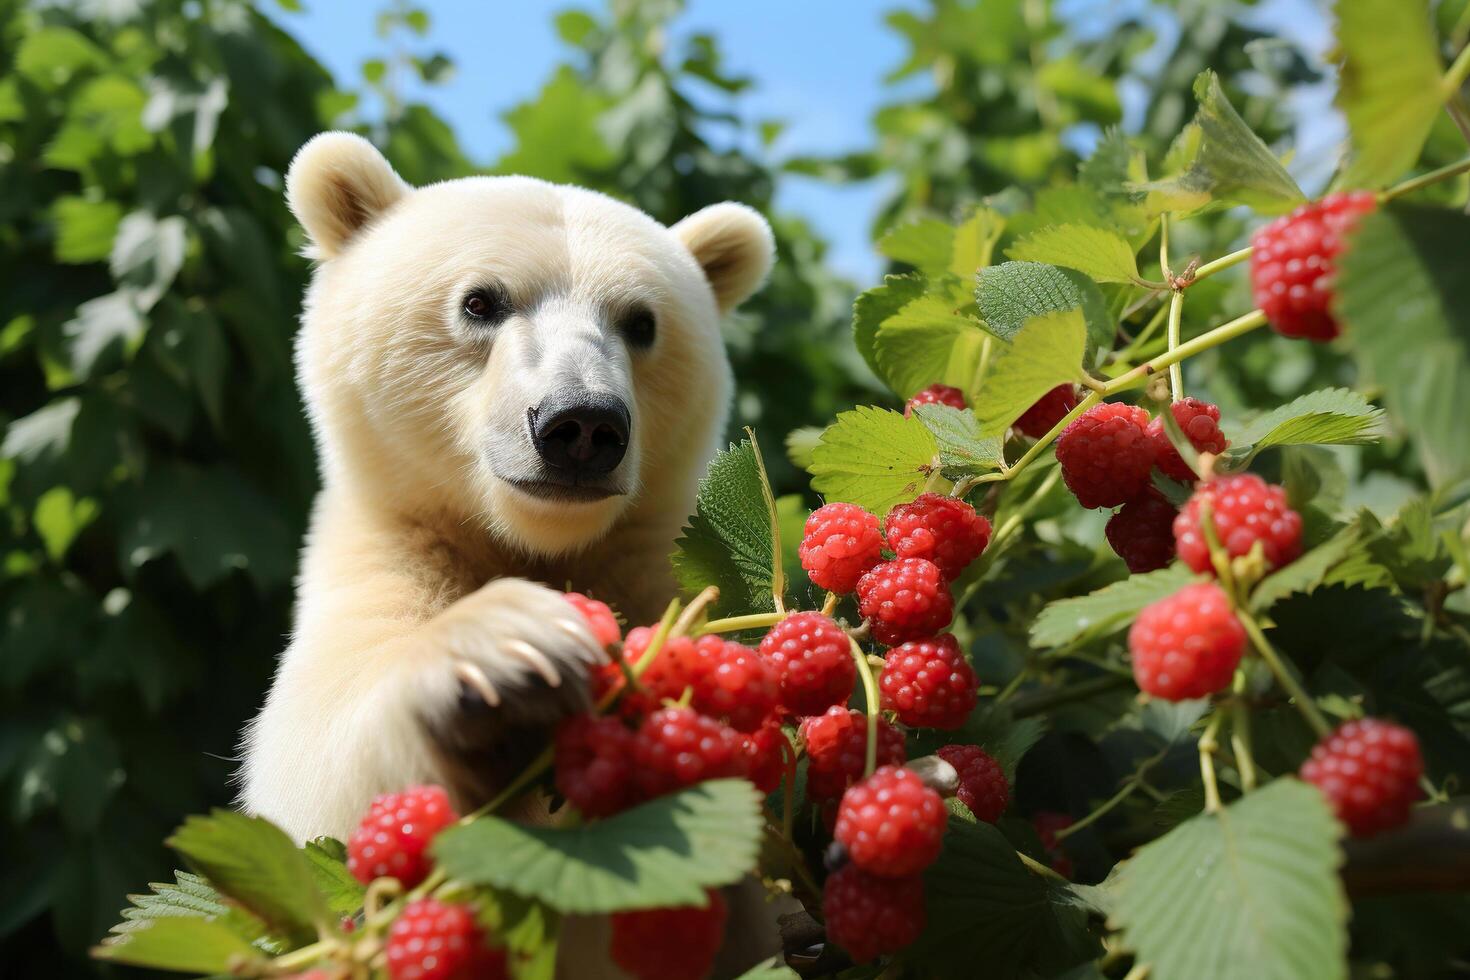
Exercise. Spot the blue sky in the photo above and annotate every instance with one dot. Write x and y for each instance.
(819, 70)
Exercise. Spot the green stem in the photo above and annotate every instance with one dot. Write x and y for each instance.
(1459, 70)
(1238, 327)
(1012, 686)
(1146, 334)
(1164, 248)
(870, 698)
(1240, 744)
(1207, 747)
(1101, 811)
(734, 624)
(1039, 868)
(528, 775)
(1223, 262)
(1284, 676)
(1176, 319)
(656, 642)
(1039, 446)
(1424, 180)
(304, 956)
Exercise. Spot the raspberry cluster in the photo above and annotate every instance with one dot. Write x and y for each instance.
(1200, 423)
(1294, 259)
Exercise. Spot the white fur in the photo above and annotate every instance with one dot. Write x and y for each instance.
(420, 562)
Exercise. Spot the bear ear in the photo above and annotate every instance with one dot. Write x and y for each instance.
(338, 183)
(733, 245)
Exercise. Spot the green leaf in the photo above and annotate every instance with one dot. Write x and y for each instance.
(339, 889)
(664, 852)
(1096, 252)
(1389, 86)
(183, 943)
(51, 56)
(1011, 293)
(1404, 301)
(877, 305)
(728, 542)
(927, 341)
(254, 863)
(558, 136)
(1107, 610)
(147, 254)
(873, 457)
(1250, 892)
(1343, 559)
(801, 443)
(84, 228)
(974, 242)
(1331, 416)
(59, 517)
(106, 325)
(770, 970)
(1224, 163)
(963, 451)
(1046, 352)
(925, 244)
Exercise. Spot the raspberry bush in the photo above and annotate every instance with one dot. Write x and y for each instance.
(1060, 669)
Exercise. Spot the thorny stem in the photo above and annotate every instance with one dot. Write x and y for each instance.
(1284, 676)
(870, 698)
(1207, 746)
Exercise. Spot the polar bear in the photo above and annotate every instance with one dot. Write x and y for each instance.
(511, 382)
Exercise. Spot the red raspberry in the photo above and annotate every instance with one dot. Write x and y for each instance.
(891, 823)
(903, 599)
(594, 765)
(730, 681)
(1188, 645)
(433, 940)
(943, 529)
(1369, 771)
(1245, 509)
(813, 659)
(1106, 454)
(929, 683)
(764, 754)
(983, 785)
(599, 616)
(392, 838)
(678, 747)
(670, 944)
(667, 677)
(1049, 409)
(839, 544)
(935, 394)
(871, 916)
(1142, 533)
(1295, 259)
(1200, 422)
(1046, 824)
(836, 746)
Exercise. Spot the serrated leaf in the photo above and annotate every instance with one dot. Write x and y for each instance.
(1108, 609)
(1389, 86)
(188, 895)
(340, 890)
(1249, 893)
(1011, 293)
(926, 341)
(926, 244)
(1046, 352)
(871, 308)
(974, 242)
(664, 852)
(1317, 566)
(183, 943)
(873, 457)
(1404, 301)
(1331, 416)
(253, 862)
(1224, 163)
(1096, 252)
(963, 451)
(728, 542)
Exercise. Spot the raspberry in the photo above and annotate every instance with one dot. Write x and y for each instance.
(1188, 645)
(594, 765)
(935, 394)
(871, 916)
(983, 785)
(903, 599)
(891, 823)
(1294, 259)
(392, 838)
(929, 683)
(1106, 455)
(1245, 509)
(670, 944)
(839, 544)
(1046, 824)
(1200, 422)
(667, 677)
(678, 747)
(1142, 533)
(599, 616)
(1049, 409)
(943, 529)
(763, 754)
(836, 746)
(813, 659)
(1369, 771)
(433, 940)
(730, 681)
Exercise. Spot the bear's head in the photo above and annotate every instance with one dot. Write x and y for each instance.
(531, 357)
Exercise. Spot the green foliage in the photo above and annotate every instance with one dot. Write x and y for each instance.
(1010, 293)
(874, 458)
(1106, 610)
(665, 852)
(1047, 351)
(730, 540)
(1103, 255)
(186, 943)
(963, 451)
(1334, 416)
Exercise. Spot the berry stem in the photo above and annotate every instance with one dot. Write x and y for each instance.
(1284, 676)
(778, 571)
(734, 624)
(1458, 71)
(1223, 262)
(533, 771)
(1424, 180)
(1176, 319)
(1207, 746)
(870, 702)
(829, 605)
(697, 605)
(304, 956)
(656, 642)
(1240, 744)
(1240, 326)
(1132, 784)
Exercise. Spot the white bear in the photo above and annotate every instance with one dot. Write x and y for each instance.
(511, 382)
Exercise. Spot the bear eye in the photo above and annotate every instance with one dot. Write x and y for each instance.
(638, 327)
(487, 304)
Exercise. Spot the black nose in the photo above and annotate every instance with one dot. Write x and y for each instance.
(581, 432)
